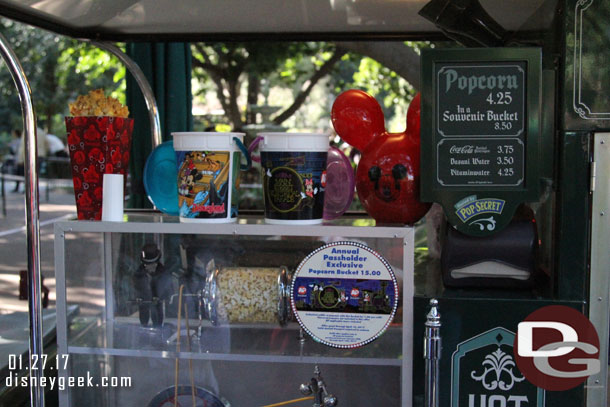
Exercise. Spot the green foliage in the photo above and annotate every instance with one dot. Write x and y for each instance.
(58, 70)
(392, 91)
(343, 76)
(93, 68)
(231, 69)
(300, 62)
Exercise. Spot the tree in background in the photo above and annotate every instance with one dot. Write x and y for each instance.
(388, 70)
(58, 70)
(233, 66)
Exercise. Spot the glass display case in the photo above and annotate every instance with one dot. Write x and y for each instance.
(235, 342)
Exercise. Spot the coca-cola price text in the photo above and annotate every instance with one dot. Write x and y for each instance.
(488, 161)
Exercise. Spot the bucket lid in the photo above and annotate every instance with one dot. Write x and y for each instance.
(340, 184)
(294, 142)
(160, 174)
(205, 140)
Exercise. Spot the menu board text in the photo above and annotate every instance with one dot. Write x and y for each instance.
(480, 123)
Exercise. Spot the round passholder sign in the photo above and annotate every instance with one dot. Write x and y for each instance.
(344, 294)
(557, 348)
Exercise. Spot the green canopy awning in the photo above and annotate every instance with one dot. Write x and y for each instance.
(167, 66)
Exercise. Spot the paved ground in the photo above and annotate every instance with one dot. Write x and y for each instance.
(13, 254)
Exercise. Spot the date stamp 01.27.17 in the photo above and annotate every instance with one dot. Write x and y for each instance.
(20, 364)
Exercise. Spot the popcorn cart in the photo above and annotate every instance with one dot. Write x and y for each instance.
(498, 298)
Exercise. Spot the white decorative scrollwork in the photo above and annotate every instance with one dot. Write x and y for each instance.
(498, 372)
(578, 104)
(481, 223)
(581, 112)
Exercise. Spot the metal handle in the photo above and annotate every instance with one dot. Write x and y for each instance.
(432, 354)
(210, 297)
(283, 286)
(147, 92)
(246, 153)
(31, 217)
(317, 387)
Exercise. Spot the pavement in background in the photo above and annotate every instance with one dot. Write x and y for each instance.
(13, 251)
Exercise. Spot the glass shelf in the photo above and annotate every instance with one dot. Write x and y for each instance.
(156, 222)
(253, 343)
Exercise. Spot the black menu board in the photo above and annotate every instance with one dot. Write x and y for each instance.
(480, 127)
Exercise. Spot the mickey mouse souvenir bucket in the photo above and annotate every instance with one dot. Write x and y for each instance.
(208, 175)
(294, 176)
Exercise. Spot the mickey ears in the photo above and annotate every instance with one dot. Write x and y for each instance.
(413, 113)
(357, 118)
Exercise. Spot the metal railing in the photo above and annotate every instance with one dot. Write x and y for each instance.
(31, 218)
(31, 182)
(432, 355)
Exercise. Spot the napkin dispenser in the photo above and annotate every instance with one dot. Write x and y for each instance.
(506, 259)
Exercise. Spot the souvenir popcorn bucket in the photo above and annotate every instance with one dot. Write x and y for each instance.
(208, 175)
(294, 176)
(98, 145)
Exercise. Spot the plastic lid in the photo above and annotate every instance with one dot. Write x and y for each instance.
(201, 141)
(340, 184)
(293, 142)
(161, 178)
